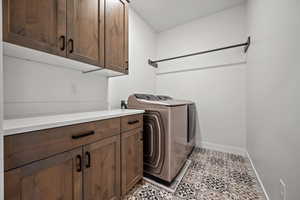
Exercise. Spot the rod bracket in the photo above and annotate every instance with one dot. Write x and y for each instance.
(153, 64)
(248, 43)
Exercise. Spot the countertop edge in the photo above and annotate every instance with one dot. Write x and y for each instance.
(30, 128)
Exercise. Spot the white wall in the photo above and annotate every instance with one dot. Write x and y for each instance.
(32, 88)
(216, 82)
(273, 97)
(141, 78)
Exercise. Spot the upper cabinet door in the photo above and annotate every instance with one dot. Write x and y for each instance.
(37, 24)
(85, 30)
(116, 35)
(102, 169)
(57, 177)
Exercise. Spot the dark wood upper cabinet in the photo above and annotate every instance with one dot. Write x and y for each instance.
(85, 31)
(37, 24)
(132, 159)
(116, 35)
(102, 169)
(58, 177)
(90, 31)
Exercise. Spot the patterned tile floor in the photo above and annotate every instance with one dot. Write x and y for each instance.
(212, 175)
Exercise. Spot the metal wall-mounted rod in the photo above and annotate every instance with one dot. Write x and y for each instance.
(246, 45)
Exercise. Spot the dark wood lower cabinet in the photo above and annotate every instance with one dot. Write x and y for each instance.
(132, 159)
(102, 170)
(91, 161)
(58, 177)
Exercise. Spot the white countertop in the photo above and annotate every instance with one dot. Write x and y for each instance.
(15, 126)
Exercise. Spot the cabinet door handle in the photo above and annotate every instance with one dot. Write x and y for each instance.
(141, 136)
(88, 159)
(78, 163)
(75, 137)
(71, 46)
(133, 122)
(63, 42)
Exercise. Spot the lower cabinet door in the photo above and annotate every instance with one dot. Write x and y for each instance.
(132, 159)
(58, 177)
(102, 170)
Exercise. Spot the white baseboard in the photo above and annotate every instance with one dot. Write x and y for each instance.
(258, 177)
(224, 148)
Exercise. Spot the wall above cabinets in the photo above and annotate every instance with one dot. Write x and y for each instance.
(84, 35)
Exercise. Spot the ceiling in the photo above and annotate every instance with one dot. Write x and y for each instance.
(165, 14)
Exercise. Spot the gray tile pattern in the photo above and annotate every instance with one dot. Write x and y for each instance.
(212, 175)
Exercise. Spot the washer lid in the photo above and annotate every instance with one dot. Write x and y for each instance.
(161, 100)
(166, 102)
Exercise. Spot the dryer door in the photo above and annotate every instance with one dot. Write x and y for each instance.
(154, 139)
